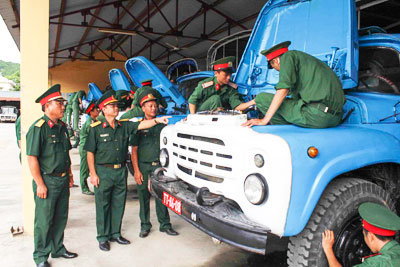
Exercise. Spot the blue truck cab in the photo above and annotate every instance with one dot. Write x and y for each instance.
(242, 185)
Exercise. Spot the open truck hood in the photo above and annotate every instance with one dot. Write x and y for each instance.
(118, 80)
(326, 29)
(140, 68)
(94, 92)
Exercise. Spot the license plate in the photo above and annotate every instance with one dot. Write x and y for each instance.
(172, 203)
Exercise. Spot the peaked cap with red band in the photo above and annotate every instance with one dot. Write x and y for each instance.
(90, 107)
(224, 64)
(107, 98)
(133, 88)
(51, 94)
(378, 219)
(148, 82)
(276, 51)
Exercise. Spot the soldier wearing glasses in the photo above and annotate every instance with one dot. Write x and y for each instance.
(47, 148)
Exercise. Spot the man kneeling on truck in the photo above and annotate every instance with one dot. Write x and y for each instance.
(218, 91)
(316, 92)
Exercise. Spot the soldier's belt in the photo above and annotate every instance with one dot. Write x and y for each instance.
(324, 108)
(154, 163)
(57, 174)
(113, 166)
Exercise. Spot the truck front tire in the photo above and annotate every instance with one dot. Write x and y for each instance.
(337, 210)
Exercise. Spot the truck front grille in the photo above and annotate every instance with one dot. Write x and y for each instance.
(202, 157)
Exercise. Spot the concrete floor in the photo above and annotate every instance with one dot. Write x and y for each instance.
(191, 248)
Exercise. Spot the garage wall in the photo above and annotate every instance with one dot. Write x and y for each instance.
(76, 75)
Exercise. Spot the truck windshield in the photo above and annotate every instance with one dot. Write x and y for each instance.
(379, 70)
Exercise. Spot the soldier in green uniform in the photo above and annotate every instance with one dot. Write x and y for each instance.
(218, 91)
(379, 229)
(136, 110)
(145, 152)
(107, 147)
(93, 111)
(47, 149)
(316, 92)
(18, 134)
(76, 103)
(68, 109)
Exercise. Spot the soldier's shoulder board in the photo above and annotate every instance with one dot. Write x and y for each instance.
(124, 120)
(207, 84)
(39, 123)
(94, 124)
(233, 85)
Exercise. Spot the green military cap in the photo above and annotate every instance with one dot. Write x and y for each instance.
(107, 98)
(133, 88)
(275, 51)
(148, 82)
(146, 96)
(378, 219)
(53, 93)
(90, 107)
(224, 64)
(121, 94)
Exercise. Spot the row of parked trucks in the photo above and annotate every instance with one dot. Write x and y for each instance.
(242, 186)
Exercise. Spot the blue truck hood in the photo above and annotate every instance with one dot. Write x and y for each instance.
(326, 29)
(94, 93)
(140, 68)
(118, 80)
(200, 74)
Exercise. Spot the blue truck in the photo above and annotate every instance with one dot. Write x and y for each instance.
(242, 186)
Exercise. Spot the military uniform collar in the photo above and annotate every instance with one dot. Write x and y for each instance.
(49, 122)
(105, 123)
(217, 86)
(388, 246)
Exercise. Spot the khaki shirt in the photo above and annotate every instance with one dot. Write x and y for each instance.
(49, 142)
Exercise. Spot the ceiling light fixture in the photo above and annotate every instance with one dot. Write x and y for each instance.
(116, 31)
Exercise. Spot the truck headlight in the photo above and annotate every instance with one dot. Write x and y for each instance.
(164, 157)
(259, 160)
(165, 141)
(255, 188)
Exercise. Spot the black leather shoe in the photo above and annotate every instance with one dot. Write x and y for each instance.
(144, 233)
(105, 246)
(120, 240)
(170, 231)
(44, 264)
(67, 255)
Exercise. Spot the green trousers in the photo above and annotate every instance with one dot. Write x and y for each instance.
(83, 169)
(212, 103)
(75, 111)
(67, 115)
(51, 215)
(296, 111)
(144, 201)
(110, 198)
(132, 113)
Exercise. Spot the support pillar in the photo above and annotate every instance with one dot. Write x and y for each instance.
(34, 45)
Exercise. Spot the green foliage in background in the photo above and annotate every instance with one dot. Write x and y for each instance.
(10, 71)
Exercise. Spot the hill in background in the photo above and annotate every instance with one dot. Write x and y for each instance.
(10, 71)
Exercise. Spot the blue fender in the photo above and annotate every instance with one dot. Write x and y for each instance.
(341, 149)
